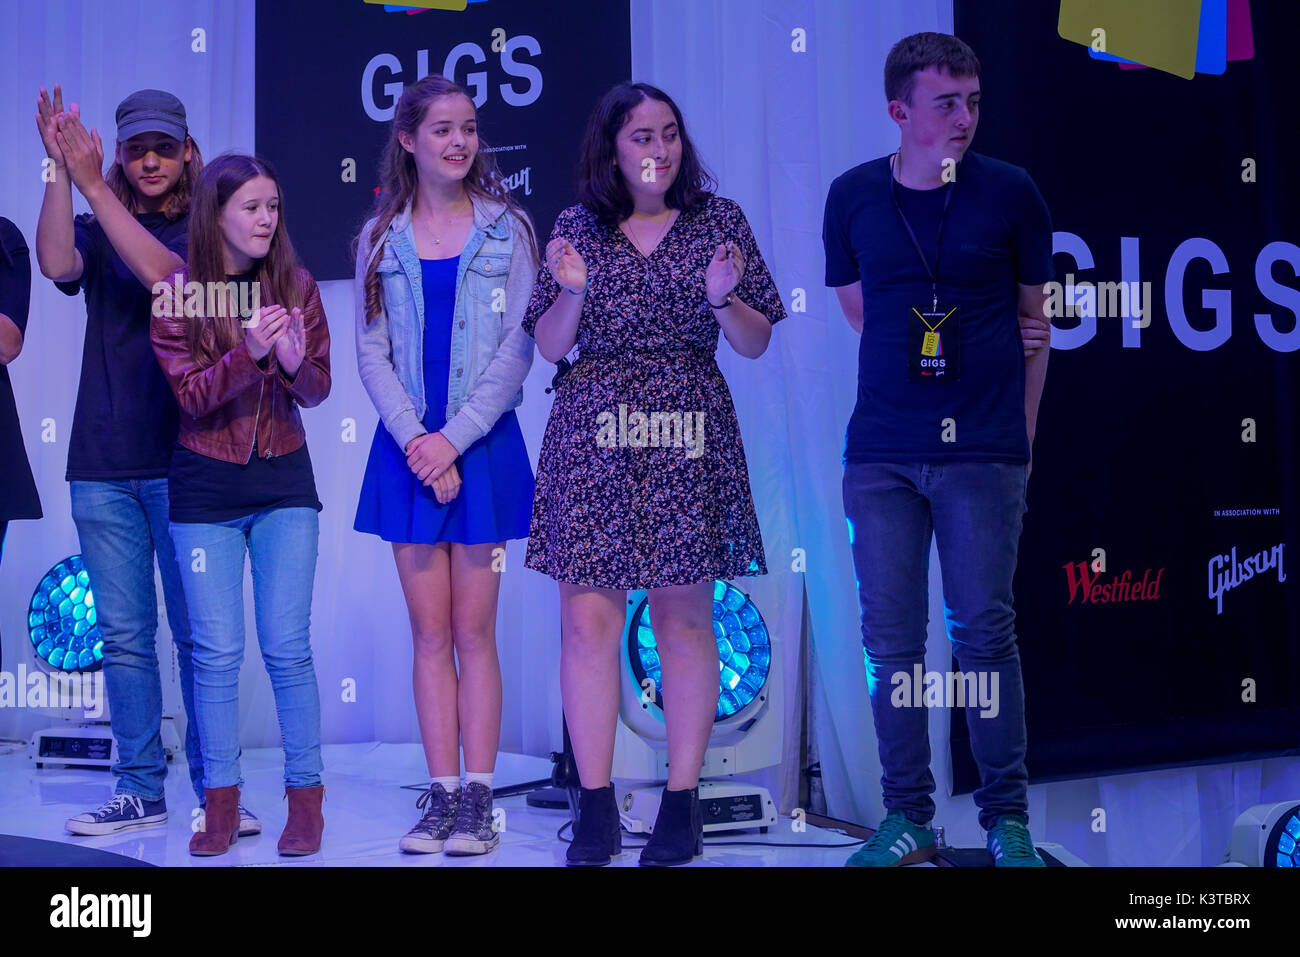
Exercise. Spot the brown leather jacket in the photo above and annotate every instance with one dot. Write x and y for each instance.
(221, 404)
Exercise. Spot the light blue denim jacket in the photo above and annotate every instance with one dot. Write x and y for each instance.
(490, 352)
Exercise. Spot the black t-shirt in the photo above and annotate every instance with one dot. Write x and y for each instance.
(203, 489)
(997, 233)
(126, 416)
(18, 498)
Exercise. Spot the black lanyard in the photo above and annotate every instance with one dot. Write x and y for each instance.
(932, 273)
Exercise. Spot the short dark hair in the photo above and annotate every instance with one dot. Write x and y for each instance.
(600, 184)
(912, 54)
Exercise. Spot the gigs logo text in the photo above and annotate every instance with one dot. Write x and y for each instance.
(382, 80)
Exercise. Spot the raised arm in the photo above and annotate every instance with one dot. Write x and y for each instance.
(56, 245)
(83, 153)
(557, 328)
(310, 383)
(201, 390)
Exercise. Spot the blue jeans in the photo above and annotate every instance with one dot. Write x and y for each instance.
(122, 525)
(974, 510)
(282, 545)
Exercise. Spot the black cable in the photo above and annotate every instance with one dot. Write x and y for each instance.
(510, 790)
(561, 370)
(559, 834)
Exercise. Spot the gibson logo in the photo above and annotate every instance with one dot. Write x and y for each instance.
(1120, 588)
(1226, 573)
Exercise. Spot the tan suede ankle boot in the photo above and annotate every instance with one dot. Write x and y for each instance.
(220, 822)
(303, 829)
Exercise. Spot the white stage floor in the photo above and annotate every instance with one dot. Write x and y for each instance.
(366, 810)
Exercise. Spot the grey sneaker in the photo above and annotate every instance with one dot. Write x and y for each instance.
(439, 806)
(472, 833)
(248, 822)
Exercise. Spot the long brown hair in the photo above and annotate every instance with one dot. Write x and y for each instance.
(178, 200)
(211, 337)
(398, 177)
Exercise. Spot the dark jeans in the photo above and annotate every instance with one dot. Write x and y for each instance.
(122, 526)
(974, 510)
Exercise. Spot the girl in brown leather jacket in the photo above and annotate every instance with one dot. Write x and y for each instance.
(241, 478)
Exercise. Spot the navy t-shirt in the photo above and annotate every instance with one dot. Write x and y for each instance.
(126, 417)
(997, 233)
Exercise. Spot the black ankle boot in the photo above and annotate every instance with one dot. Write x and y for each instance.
(679, 830)
(597, 834)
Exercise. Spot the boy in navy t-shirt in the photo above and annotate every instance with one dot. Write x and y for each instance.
(938, 257)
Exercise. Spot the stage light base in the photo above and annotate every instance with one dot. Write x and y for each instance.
(1053, 855)
(727, 806)
(91, 744)
(552, 799)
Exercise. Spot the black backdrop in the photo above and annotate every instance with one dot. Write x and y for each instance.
(323, 69)
(1140, 444)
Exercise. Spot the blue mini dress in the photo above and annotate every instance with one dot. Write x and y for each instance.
(495, 501)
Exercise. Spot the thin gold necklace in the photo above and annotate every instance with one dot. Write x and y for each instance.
(430, 220)
(672, 217)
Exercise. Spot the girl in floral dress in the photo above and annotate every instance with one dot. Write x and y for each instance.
(642, 480)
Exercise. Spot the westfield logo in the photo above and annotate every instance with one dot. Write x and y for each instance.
(1097, 589)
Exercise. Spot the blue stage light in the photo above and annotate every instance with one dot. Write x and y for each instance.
(1286, 837)
(744, 650)
(61, 619)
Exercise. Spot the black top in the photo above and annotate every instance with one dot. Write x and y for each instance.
(208, 490)
(18, 498)
(126, 417)
(997, 233)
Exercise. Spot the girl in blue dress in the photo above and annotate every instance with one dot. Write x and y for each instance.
(444, 272)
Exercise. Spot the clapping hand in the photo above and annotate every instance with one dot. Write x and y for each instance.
(47, 123)
(725, 271)
(83, 153)
(291, 346)
(268, 326)
(566, 265)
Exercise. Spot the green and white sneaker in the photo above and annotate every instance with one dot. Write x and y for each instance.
(897, 841)
(1010, 844)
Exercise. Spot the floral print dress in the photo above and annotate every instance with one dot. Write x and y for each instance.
(642, 480)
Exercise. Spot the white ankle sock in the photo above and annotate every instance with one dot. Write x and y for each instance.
(479, 777)
(452, 784)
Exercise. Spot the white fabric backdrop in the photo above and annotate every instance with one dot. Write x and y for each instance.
(776, 126)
